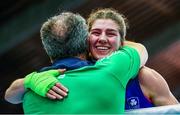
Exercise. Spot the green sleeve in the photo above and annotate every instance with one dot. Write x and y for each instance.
(123, 64)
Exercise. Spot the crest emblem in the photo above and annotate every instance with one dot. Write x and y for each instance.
(133, 102)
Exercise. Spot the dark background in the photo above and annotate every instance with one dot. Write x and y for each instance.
(155, 23)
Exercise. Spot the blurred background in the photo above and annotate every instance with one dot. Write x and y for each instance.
(155, 23)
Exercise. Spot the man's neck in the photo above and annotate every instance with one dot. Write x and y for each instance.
(82, 56)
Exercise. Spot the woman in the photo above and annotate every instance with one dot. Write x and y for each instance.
(106, 27)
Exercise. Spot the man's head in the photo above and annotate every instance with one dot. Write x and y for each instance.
(107, 30)
(64, 35)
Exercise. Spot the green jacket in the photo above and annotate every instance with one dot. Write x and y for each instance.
(98, 89)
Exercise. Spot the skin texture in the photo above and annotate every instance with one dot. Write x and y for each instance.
(155, 87)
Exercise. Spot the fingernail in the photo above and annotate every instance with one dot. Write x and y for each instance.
(66, 89)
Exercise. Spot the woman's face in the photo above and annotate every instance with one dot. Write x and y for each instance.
(104, 38)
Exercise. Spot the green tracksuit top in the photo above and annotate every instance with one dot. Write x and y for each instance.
(97, 89)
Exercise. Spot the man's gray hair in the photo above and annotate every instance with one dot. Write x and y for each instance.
(65, 35)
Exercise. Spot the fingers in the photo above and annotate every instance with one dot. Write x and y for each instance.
(61, 71)
(53, 95)
(50, 96)
(58, 91)
(62, 87)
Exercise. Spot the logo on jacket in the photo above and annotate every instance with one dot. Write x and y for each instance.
(133, 102)
(61, 76)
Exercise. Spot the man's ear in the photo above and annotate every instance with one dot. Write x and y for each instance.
(121, 43)
(51, 60)
(89, 55)
(88, 42)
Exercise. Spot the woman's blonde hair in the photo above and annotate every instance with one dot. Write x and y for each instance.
(109, 13)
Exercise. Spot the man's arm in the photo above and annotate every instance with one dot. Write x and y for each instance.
(157, 89)
(141, 51)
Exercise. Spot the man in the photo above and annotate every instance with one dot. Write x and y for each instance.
(63, 36)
